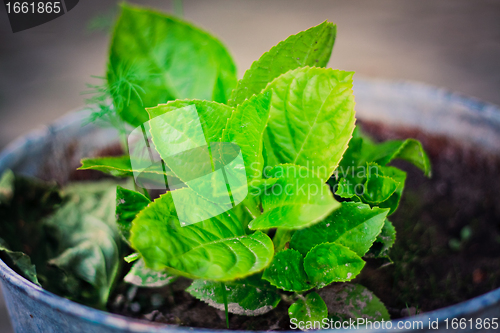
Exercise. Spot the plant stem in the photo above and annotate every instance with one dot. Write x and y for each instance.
(146, 193)
(224, 296)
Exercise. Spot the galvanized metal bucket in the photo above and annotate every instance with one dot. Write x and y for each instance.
(433, 110)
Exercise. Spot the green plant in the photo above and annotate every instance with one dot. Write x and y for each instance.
(294, 123)
(63, 240)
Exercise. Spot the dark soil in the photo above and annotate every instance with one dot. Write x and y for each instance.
(447, 248)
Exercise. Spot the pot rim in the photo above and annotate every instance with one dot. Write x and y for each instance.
(10, 154)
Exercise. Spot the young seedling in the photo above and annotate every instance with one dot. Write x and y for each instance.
(293, 121)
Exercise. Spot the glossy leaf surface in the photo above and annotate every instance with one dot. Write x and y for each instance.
(309, 309)
(353, 225)
(297, 200)
(311, 47)
(287, 272)
(311, 119)
(215, 249)
(155, 58)
(330, 262)
(251, 296)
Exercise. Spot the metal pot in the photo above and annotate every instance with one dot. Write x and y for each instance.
(435, 111)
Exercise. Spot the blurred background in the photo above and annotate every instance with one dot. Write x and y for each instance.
(448, 43)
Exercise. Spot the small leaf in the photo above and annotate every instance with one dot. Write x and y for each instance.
(142, 276)
(399, 176)
(310, 310)
(352, 301)
(119, 166)
(128, 205)
(312, 47)
(297, 200)
(353, 225)
(346, 188)
(363, 150)
(330, 262)
(19, 261)
(385, 240)
(410, 150)
(378, 187)
(251, 296)
(169, 60)
(132, 257)
(287, 272)
(214, 249)
(311, 119)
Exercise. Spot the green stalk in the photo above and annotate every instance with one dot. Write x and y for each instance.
(224, 296)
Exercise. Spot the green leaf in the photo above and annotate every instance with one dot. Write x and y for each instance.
(378, 187)
(245, 127)
(330, 262)
(385, 240)
(297, 200)
(142, 276)
(287, 272)
(353, 225)
(310, 310)
(18, 261)
(410, 150)
(89, 242)
(6, 187)
(214, 249)
(155, 58)
(311, 47)
(132, 257)
(362, 150)
(128, 205)
(251, 296)
(259, 186)
(212, 117)
(346, 188)
(311, 119)
(399, 176)
(352, 301)
(187, 136)
(120, 166)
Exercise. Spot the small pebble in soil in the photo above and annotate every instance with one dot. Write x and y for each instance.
(478, 275)
(135, 307)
